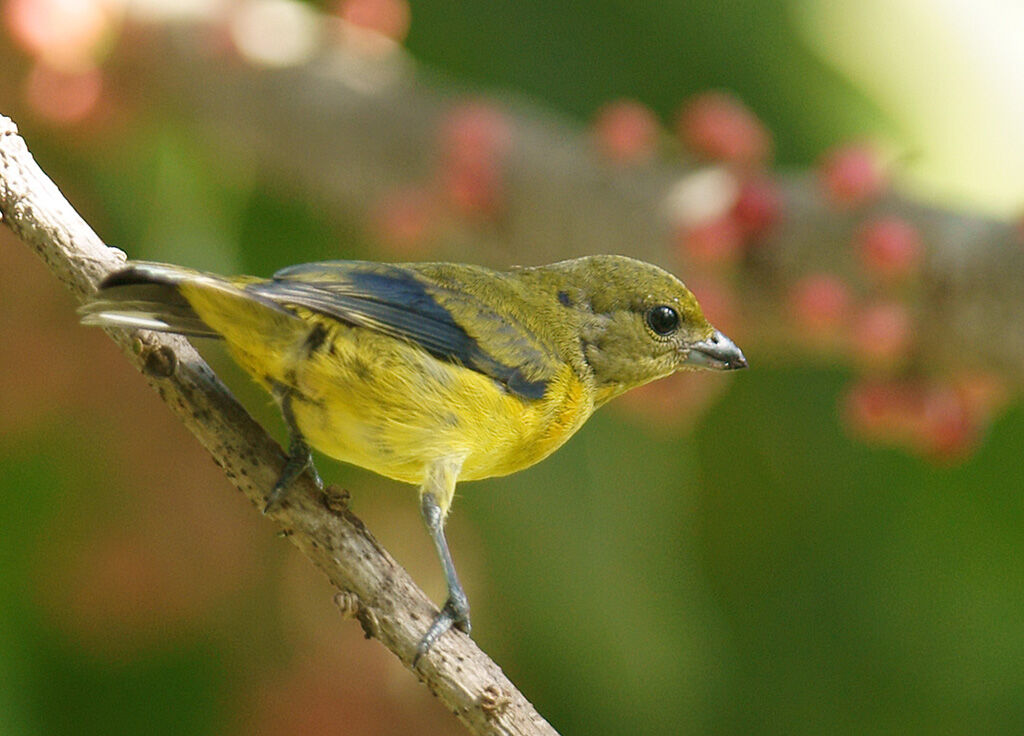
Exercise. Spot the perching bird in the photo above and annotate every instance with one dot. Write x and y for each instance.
(431, 373)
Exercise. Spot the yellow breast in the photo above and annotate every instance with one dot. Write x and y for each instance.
(390, 407)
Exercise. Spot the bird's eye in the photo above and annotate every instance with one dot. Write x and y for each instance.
(663, 320)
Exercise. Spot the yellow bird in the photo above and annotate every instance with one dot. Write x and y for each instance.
(431, 373)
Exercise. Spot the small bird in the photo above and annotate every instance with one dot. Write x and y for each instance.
(431, 373)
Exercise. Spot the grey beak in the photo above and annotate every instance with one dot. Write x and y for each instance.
(718, 353)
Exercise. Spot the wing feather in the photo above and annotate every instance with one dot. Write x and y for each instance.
(399, 302)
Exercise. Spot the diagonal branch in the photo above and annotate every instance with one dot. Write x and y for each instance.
(389, 606)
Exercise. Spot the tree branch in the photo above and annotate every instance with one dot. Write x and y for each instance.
(374, 588)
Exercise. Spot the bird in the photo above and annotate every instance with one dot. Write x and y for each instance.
(430, 373)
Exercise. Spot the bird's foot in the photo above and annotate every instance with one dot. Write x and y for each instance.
(454, 613)
(299, 460)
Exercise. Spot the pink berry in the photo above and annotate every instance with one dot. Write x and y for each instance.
(474, 189)
(473, 133)
(63, 98)
(715, 241)
(866, 408)
(474, 139)
(389, 18)
(930, 419)
(883, 411)
(882, 334)
(946, 432)
(889, 247)
(759, 205)
(718, 126)
(820, 303)
(404, 220)
(626, 131)
(852, 174)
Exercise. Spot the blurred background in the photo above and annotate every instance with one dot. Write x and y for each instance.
(829, 542)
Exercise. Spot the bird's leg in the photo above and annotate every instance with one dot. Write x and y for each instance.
(455, 611)
(299, 456)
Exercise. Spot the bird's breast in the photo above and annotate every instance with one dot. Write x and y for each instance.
(392, 408)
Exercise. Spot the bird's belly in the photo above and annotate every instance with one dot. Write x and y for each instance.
(401, 412)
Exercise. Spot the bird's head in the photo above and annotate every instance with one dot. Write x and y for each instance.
(641, 323)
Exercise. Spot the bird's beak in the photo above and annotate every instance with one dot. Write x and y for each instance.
(717, 352)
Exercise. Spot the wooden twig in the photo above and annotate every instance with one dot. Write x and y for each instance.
(376, 590)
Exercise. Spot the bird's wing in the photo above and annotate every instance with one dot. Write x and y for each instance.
(449, 323)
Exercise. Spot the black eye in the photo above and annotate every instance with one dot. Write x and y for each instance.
(663, 320)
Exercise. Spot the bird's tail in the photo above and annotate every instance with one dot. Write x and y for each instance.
(157, 296)
(166, 298)
(147, 296)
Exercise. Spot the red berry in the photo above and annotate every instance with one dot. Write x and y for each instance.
(474, 189)
(852, 174)
(474, 139)
(889, 247)
(626, 131)
(474, 133)
(404, 220)
(64, 98)
(715, 241)
(882, 333)
(929, 419)
(867, 408)
(947, 431)
(389, 18)
(883, 411)
(820, 303)
(718, 126)
(759, 205)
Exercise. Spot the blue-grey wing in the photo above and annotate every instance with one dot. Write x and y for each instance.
(398, 301)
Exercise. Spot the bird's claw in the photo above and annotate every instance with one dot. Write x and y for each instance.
(454, 613)
(299, 460)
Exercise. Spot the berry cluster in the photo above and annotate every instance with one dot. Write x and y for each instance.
(865, 314)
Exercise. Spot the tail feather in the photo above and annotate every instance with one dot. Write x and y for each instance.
(145, 295)
(166, 298)
(145, 316)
